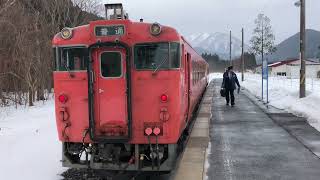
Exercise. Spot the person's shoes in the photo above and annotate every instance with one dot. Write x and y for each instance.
(232, 105)
(227, 104)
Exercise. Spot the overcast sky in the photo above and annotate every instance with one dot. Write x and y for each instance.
(211, 16)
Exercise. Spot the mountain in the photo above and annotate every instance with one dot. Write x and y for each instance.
(290, 48)
(215, 43)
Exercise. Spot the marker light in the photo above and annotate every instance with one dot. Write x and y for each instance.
(148, 131)
(66, 33)
(63, 98)
(155, 29)
(164, 98)
(156, 131)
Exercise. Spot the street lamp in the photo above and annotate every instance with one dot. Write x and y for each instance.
(298, 3)
(302, 5)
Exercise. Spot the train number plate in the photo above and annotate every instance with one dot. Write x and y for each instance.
(109, 30)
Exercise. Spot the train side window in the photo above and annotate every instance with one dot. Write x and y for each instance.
(72, 59)
(111, 64)
(174, 55)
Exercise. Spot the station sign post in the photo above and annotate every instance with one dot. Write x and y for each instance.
(265, 77)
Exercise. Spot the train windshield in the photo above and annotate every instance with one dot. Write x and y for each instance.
(157, 56)
(71, 59)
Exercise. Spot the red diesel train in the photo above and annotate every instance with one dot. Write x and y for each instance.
(124, 93)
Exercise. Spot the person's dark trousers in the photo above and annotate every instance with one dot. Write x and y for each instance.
(230, 92)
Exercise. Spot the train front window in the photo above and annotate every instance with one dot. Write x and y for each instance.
(153, 56)
(111, 66)
(72, 59)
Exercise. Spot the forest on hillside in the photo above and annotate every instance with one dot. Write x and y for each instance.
(217, 64)
(27, 28)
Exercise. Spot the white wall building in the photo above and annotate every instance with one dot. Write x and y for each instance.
(291, 68)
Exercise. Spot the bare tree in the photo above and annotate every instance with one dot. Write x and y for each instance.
(262, 41)
(27, 27)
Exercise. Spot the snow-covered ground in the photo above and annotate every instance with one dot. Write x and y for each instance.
(29, 144)
(214, 76)
(284, 94)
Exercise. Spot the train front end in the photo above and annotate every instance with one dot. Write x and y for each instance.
(120, 96)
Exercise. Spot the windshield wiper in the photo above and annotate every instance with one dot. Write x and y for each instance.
(69, 71)
(162, 62)
(66, 65)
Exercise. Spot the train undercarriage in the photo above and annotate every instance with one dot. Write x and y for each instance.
(120, 157)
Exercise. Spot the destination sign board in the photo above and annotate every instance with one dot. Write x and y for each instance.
(109, 30)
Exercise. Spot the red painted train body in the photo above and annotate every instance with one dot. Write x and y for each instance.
(124, 93)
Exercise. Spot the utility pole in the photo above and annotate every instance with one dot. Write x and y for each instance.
(302, 48)
(231, 63)
(262, 54)
(242, 56)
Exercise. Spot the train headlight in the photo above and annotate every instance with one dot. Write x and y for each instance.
(66, 33)
(155, 29)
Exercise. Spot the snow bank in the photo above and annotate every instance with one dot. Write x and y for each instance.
(284, 94)
(214, 76)
(30, 148)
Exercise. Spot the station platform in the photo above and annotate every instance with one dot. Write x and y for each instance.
(192, 164)
(249, 143)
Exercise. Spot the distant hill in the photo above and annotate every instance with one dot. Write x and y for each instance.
(216, 43)
(290, 47)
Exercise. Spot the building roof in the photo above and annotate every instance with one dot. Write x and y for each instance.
(280, 63)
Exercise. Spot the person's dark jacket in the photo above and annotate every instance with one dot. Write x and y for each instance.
(230, 82)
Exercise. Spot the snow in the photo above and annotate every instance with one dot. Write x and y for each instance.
(216, 43)
(284, 94)
(214, 76)
(30, 148)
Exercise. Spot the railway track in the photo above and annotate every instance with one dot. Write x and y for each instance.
(81, 174)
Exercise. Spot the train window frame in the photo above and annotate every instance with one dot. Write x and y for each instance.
(122, 69)
(55, 58)
(169, 54)
(59, 54)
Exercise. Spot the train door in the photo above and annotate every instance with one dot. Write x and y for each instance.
(111, 115)
(188, 77)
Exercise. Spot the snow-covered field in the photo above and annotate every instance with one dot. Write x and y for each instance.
(29, 146)
(284, 94)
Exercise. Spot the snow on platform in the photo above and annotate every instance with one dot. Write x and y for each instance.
(30, 149)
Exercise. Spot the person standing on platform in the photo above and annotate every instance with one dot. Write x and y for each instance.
(229, 82)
